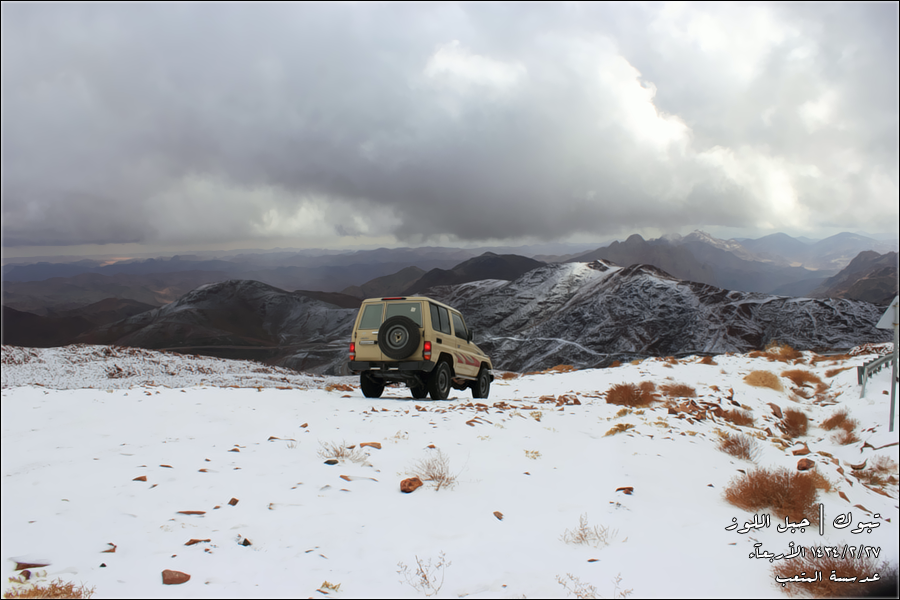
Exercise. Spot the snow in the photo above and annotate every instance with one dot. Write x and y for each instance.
(203, 431)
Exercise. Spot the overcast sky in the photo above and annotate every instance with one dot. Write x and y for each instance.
(326, 125)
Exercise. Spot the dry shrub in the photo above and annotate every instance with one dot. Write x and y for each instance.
(341, 452)
(436, 469)
(592, 536)
(54, 589)
(743, 418)
(781, 352)
(821, 559)
(764, 379)
(739, 445)
(615, 363)
(619, 428)
(787, 493)
(839, 419)
(707, 360)
(628, 394)
(801, 376)
(508, 375)
(678, 390)
(795, 423)
(833, 372)
(881, 472)
(844, 437)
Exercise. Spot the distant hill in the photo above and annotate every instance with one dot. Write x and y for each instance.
(870, 277)
(487, 266)
(35, 331)
(388, 285)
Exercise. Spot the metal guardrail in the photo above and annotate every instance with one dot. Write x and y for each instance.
(870, 368)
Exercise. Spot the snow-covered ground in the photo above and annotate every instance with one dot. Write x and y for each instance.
(81, 424)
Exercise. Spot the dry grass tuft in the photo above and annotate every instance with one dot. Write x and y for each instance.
(592, 536)
(55, 589)
(781, 352)
(801, 376)
(614, 364)
(509, 375)
(619, 428)
(707, 360)
(787, 493)
(678, 390)
(436, 469)
(628, 394)
(795, 423)
(851, 566)
(840, 419)
(743, 418)
(341, 452)
(739, 445)
(833, 372)
(764, 379)
(882, 472)
(844, 437)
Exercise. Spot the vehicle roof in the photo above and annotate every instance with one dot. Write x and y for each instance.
(407, 298)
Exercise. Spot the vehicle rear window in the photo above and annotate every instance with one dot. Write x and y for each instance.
(413, 310)
(372, 316)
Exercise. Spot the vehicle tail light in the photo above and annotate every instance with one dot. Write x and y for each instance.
(352, 351)
(427, 351)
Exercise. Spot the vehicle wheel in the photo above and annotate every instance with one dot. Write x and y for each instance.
(370, 387)
(398, 337)
(481, 387)
(418, 391)
(439, 382)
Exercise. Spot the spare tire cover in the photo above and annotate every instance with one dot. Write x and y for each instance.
(398, 337)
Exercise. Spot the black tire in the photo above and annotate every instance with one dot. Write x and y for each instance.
(398, 337)
(481, 387)
(439, 382)
(371, 388)
(418, 391)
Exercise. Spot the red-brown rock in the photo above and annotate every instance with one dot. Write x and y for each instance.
(804, 464)
(170, 577)
(776, 410)
(410, 485)
(802, 451)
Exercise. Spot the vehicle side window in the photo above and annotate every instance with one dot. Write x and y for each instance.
(445, 320)
(459, 326)
(412, 310)
(372, 317)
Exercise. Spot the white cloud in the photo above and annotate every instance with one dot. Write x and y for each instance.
(460, 68)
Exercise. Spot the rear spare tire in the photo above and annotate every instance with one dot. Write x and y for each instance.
(398, 337)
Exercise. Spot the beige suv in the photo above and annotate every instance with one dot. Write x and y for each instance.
(420, 342)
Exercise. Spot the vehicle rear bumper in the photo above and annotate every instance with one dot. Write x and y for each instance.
(388, 367)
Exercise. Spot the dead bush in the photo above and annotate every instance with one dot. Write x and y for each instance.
(436, 469)
(55, 589)
(678, 390)
(764, 379)
(614, 364)
(739, 445)
(795, 423)
(707, 360)
(781, 352)
(342, 452)
(833, 372)
(839, 419)
(881, 472)
(844, 437)
(508, 375)
(744, 418)
(828, 564)
(801, 376)
(628, 394)
(593, 536)
(785, 492)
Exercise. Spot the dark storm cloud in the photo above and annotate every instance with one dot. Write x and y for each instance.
(183, 122)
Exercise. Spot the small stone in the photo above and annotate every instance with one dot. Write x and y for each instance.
(170, 577)
(499, 515)
(626, 490)
(410, 485)
(331, 461)
(776, 410)
(804, 464)
(141, 478)
(802, 451)
(376, 445)
(246, 542)
(233, 501)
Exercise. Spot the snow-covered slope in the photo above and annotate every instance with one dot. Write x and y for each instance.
(225, 480)
(587, 314)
